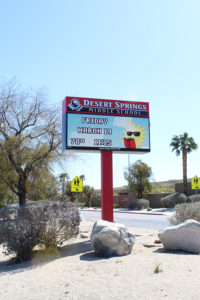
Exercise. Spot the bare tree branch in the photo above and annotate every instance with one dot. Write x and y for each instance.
(30, 134)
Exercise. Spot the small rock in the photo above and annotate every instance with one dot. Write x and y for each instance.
(84, 235)
(157, 242)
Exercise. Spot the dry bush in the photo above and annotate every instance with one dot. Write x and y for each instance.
(186, 211)
(62, 223)
(49, 223)
(19, 230)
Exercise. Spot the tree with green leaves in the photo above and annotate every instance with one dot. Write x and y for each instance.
(30, 136)
(4, 191)
(82, 177)
(87, 194)
(183, 144)
(138, 176)
(42, 185)
(62, 178)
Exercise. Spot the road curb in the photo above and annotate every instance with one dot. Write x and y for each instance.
(127, 212)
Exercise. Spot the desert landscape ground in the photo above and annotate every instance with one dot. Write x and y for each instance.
(74, 272)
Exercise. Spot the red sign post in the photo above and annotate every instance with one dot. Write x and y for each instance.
(106, 186)
(105, 126)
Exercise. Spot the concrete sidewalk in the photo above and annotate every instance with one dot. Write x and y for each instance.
(154, 211)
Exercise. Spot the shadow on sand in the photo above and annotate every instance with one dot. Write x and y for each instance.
(44, 256)
(176, 252)
(90, 256)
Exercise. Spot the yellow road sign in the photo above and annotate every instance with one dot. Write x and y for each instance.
(76, 185)
(195, 183)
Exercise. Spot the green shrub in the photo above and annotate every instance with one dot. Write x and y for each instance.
(159, 190)
(2, 205)
(116, 205)
(157, 269)
(96, 200)
(173, 199)
(186, 211)
(139, 204)
(193, 198)
(47, 223)
(88, 203)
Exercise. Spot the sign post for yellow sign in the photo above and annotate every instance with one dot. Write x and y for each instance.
(76, 185)
(195, 183)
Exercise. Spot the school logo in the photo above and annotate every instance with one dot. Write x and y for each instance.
(75, 105)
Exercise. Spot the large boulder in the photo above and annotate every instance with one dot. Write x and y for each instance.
(111, 239)
(173, 199)
(184, 236)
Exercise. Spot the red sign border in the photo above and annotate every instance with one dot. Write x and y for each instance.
(106, 107)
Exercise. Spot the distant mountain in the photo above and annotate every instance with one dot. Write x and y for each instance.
(168, 184)
(160, 184)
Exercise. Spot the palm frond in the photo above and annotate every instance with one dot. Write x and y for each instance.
(183, 141)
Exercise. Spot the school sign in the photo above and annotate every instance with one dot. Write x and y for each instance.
(102, 124)
(105, 126)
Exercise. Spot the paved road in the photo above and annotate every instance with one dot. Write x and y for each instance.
(155, 222)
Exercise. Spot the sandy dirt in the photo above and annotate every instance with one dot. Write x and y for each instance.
(73, 272)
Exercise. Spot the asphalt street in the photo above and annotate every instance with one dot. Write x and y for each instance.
(147, 221)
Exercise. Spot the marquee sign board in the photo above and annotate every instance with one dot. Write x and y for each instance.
(99, 124)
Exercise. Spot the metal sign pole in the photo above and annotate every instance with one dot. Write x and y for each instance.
(106, 186)
(129, 184)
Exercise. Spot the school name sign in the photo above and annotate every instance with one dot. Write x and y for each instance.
(102, 124)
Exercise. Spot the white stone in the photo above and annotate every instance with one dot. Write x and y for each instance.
(184, 236)
(111, 239)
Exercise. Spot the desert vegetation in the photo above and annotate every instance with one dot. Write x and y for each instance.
(138, 176)
(171, 200)
(47, 223)
(186, 211)
(139, 204)
(183, 144)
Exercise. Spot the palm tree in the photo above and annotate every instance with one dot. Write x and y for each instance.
(183, 144)
(62, 177)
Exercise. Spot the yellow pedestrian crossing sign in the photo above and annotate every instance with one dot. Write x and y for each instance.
(195, 182)
(76, 185)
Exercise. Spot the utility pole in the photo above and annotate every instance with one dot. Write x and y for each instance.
(129, 184)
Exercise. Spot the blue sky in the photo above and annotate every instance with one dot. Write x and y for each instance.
(127, 50)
